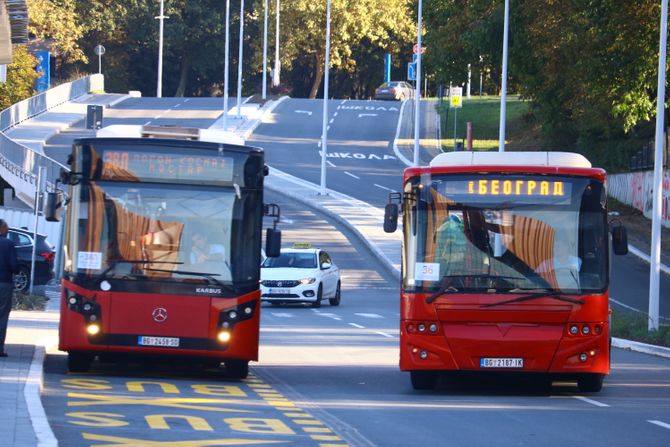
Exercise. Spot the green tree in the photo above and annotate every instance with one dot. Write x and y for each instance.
(21, 77)
(57, 21)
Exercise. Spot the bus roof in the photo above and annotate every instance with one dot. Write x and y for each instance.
(171, 132)
(472, 158)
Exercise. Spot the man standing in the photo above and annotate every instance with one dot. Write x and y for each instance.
(9, 265)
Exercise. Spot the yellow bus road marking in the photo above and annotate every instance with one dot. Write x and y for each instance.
(325, 438)
(115, 441)
(307, 422)
(317, 430)
(188, 403)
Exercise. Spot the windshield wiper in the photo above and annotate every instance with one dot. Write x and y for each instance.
(536, 295)
(445, 287)
(210, 276)
(114, 263)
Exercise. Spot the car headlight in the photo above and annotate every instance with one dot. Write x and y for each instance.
(305, 281)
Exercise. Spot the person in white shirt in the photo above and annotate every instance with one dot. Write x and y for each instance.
(202, 251)
(565, 266)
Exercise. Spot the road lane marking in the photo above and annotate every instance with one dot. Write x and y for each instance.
(357, 325)
(384, 187)
(368, 315)
(335, 114)
(360, 115)
(147, 123)
(385, 334)
(352, 175)
(591, 401)
(331, 164)
(660, 424)
(282, 314)
(331, 121)
(304, 111)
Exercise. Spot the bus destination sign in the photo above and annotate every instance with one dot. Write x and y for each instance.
(122, 165)
(522, 189)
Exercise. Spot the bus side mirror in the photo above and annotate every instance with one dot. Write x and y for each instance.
(53, 206)
(391, 217)
(619, 238)
(272, 243)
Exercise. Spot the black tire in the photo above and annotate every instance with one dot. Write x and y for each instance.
(335, 301)
(22, 280)
(319, 296)
(237, 369)
(78, 362)
(590, 383)
(423, 380)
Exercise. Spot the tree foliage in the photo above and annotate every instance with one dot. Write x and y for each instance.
(57, 20)
(21, 77)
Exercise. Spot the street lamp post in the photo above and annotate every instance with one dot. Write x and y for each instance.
(239, 60)
(277, 70)
(225, 69)
(503, 97)
(324, 128)
(265, 50)
(655, 267)
(417, 94)
(161, 18)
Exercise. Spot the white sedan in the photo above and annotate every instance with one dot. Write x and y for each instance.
(300, 275)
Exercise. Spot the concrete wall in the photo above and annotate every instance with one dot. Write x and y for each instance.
(636, 189)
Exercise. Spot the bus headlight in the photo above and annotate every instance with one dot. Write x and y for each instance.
(93, 329)
(223, 336)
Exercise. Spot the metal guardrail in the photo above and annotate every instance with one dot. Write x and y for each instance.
(19, 164)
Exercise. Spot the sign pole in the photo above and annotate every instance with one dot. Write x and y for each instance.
(417, 90)
(455, 114)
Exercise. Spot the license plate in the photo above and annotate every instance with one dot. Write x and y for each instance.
(497, 362)
(280, 291)
(170, 342)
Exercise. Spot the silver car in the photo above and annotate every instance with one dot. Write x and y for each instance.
(395, 90)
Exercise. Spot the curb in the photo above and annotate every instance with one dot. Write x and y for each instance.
(644, 348)
(247, 133)
(304, 199)
(32, 394)
(396, 151)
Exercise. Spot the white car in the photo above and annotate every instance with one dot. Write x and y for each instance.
(300, 275)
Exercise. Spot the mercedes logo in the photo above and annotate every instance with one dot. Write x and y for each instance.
(159, 314)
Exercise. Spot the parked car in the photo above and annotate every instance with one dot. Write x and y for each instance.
(44, 258)
(397, 90)
(300, 275)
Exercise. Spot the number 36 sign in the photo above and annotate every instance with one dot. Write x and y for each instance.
(427, 271)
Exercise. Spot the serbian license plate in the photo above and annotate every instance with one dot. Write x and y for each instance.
(170, 342)
(280, 291)
(497, 362)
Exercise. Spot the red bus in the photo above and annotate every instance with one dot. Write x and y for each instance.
(505, 264)
(162, 247)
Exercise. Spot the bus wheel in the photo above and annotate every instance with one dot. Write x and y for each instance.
(335, 301)
(319, 297)
(78, 362)
(590, 383)
(423, 380)
(237, 369)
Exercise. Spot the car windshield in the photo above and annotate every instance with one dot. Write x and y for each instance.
(294, 260)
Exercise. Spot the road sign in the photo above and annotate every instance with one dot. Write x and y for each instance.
(456, 97)
(416, 49)
(411, 72)
(99, 50)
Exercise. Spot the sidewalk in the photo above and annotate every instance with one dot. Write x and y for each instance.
(29, 332)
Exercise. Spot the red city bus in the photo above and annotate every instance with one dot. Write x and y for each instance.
(505, 264)
(162, 246)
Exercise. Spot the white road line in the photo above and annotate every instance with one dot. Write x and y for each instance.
(147, 123)
(335, 114)
(385, 334)
(330, 164)
(659, 423)
(357, 325)
(369, 315)
(282, 314)
(352, 175)
(177, 105)
(384, 187)
(591, 401)
(327, 128)
(187, 99)
(331, 121)
(343, 101)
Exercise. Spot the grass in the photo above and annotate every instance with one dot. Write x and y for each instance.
(24, 301)
(484, 114)
(634, 326)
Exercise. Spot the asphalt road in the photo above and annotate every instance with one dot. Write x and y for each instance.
(329, 376)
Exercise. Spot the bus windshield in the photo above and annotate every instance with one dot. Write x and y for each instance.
(160, 232)
(487, 233)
